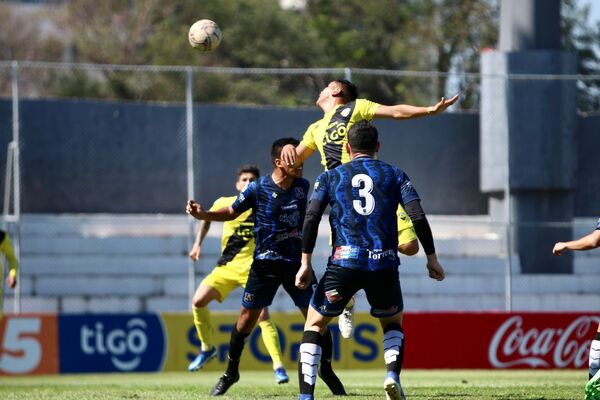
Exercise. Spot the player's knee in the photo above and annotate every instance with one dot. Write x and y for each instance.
(201, 300)
(246, 321)
(264, 315)
(409, 249)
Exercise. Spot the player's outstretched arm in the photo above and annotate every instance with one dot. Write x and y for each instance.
(587, 242)
(196, 250)
(406, 111)
(295, 155)
(222, 214)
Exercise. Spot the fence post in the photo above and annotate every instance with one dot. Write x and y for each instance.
(16, 180)
(189, 114)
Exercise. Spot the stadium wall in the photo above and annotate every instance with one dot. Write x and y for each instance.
(75, 343)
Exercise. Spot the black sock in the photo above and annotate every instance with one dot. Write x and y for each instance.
(308, 361)
(327, 351)
(236, 346)
(393, 348)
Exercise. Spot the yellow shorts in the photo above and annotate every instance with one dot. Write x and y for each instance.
(406, 231)
(224, 279)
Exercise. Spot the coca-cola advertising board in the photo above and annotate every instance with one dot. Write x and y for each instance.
(499, 340)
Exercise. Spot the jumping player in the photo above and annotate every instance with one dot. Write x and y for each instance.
(278, 202)
(231, 271)
(342, 108)
(364, 195)
(588, 242)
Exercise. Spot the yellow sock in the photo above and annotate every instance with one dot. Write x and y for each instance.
(270, 338)
(203, 327)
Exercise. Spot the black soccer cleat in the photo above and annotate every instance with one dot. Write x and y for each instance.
(223, 384)
(331, 380)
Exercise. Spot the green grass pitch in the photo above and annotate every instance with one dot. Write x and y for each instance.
(360, 384)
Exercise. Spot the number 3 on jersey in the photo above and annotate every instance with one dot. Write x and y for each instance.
(364, 183)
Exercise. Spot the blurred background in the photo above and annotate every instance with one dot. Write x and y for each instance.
(110, 121)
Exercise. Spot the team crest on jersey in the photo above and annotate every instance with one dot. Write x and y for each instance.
(316, 185)
(345, 112)
(299, 193)
(402, 216)
(248, 297)
(274, 195)
(333, 296)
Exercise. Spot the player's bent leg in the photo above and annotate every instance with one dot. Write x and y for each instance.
(202, 297)
(393, 352)
(270, 338)
(243, 327)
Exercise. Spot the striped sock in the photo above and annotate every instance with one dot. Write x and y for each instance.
(393, 349)
(595, 355)
(308, 362)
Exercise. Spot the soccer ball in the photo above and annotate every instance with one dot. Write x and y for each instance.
(205, 35)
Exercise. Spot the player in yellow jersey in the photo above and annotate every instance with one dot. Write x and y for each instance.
(7, 251)
(237, 249)
(342, 108)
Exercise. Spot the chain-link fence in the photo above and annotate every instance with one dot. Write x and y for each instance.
(106, 156)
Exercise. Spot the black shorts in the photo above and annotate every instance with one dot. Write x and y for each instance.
(338, 285)
(264, 279)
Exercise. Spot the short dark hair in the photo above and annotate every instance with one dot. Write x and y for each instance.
(363, 137)
(278, 145)
(349, 90)
(248, 168)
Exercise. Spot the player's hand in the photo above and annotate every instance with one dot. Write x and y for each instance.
(436, 271)
(194, 209)
(11, 281)
(304, 276)
(288, 154)
(559, 248)
(196, 252)
(442, 105)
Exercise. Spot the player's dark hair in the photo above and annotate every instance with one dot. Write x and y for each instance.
(363, 137)
(248, 168)
(278, 145)
(349, 90)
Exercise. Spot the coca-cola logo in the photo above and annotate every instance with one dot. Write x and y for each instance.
(513, 345)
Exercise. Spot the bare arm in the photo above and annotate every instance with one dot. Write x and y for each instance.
(406, 111)
(295, 155)
(222, 214)
(587, 242)
(196, 250)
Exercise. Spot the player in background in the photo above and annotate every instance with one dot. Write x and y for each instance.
(364, 195)
(231, 271)
(7, 251)
(588, 242)
(278, 202)
(342, 108)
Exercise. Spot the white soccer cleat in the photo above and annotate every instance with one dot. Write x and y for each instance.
(393, 390)
(346, 322)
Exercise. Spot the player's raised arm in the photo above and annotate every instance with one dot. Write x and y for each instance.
(222, 214)
(406, 111)
(587, 242)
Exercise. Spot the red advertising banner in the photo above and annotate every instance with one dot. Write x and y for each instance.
(499, 340)
(28, 345)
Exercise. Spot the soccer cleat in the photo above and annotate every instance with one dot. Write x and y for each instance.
(393, 390)
(223, 384)
(592, 388)
(346, 321)
(331, 380)
(201, 359)
(281, 376)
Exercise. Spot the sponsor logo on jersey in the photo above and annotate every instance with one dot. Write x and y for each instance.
(295, 234)
(379, 254)
(346, 252)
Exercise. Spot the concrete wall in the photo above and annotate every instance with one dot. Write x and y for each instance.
(117, 157)
(127, 157)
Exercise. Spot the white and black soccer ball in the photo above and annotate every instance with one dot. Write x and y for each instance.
(205, 35)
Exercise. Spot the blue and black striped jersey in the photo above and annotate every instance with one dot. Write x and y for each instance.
(364, 195)
(279, 215)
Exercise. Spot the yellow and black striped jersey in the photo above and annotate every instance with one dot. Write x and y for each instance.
(237, 241)
(328, 135)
